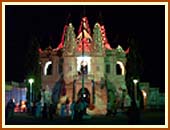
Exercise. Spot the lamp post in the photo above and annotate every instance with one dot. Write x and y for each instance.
(83, 55)
(31, 81)
(135, 81)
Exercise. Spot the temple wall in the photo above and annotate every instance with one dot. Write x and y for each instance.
(97, 65)
(100, 104)
(69, 69)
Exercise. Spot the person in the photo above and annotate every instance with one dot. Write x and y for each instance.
(58, 90)
(84, 110)
(63, 106)
(10, 109)
(67, 107)
(81, 109)
(51, 111)
(33, 108)
(83, 68)
(82, 106)
(63, 86)
(44, 111)
(38, 109)
(76, 110)
(72, 108)
(133, 114)
(23, 106)
(20, 105)
(28, 106)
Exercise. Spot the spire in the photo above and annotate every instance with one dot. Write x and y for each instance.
(84, 36)
(85, 24)
(104, 38)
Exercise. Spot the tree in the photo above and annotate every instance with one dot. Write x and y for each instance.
(134, 65)
(33, 68)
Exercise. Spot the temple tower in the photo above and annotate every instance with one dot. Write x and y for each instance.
(99, 63)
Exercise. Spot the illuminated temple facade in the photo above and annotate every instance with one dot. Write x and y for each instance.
(87, 55)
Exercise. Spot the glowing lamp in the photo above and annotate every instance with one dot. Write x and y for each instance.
(31, 81)
(84, 95)
(135, 81)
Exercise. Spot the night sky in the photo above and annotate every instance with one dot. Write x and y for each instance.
(147, 23)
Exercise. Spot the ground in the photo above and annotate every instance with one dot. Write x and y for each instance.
(147, 118)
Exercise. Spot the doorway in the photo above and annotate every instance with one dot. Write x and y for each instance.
(84, 95)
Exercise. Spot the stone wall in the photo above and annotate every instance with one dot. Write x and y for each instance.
(153, 99)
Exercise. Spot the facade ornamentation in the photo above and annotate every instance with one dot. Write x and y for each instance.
(99, 64)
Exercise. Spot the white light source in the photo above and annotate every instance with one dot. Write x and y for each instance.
(86, 60)
(31, 81)
(46, 66)
(84, 95)
(122, 67)
(144, 93)
(135, 81)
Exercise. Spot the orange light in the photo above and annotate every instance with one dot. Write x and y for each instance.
(144, 93)
(23, 106)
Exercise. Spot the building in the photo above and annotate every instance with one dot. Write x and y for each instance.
(153, 98)
(16, 91)
(85, 61)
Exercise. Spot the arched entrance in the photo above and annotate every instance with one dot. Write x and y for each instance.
(84, 95)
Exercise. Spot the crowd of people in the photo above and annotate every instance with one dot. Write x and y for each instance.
(35, 109)
(44, 111)
(76, 110)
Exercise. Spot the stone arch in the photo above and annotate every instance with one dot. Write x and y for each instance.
(143, 100)
(86, 95)
(120, 68)
(48, 68)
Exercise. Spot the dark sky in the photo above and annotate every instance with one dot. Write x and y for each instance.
(146, 22)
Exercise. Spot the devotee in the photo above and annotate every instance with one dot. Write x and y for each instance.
(10, 109)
